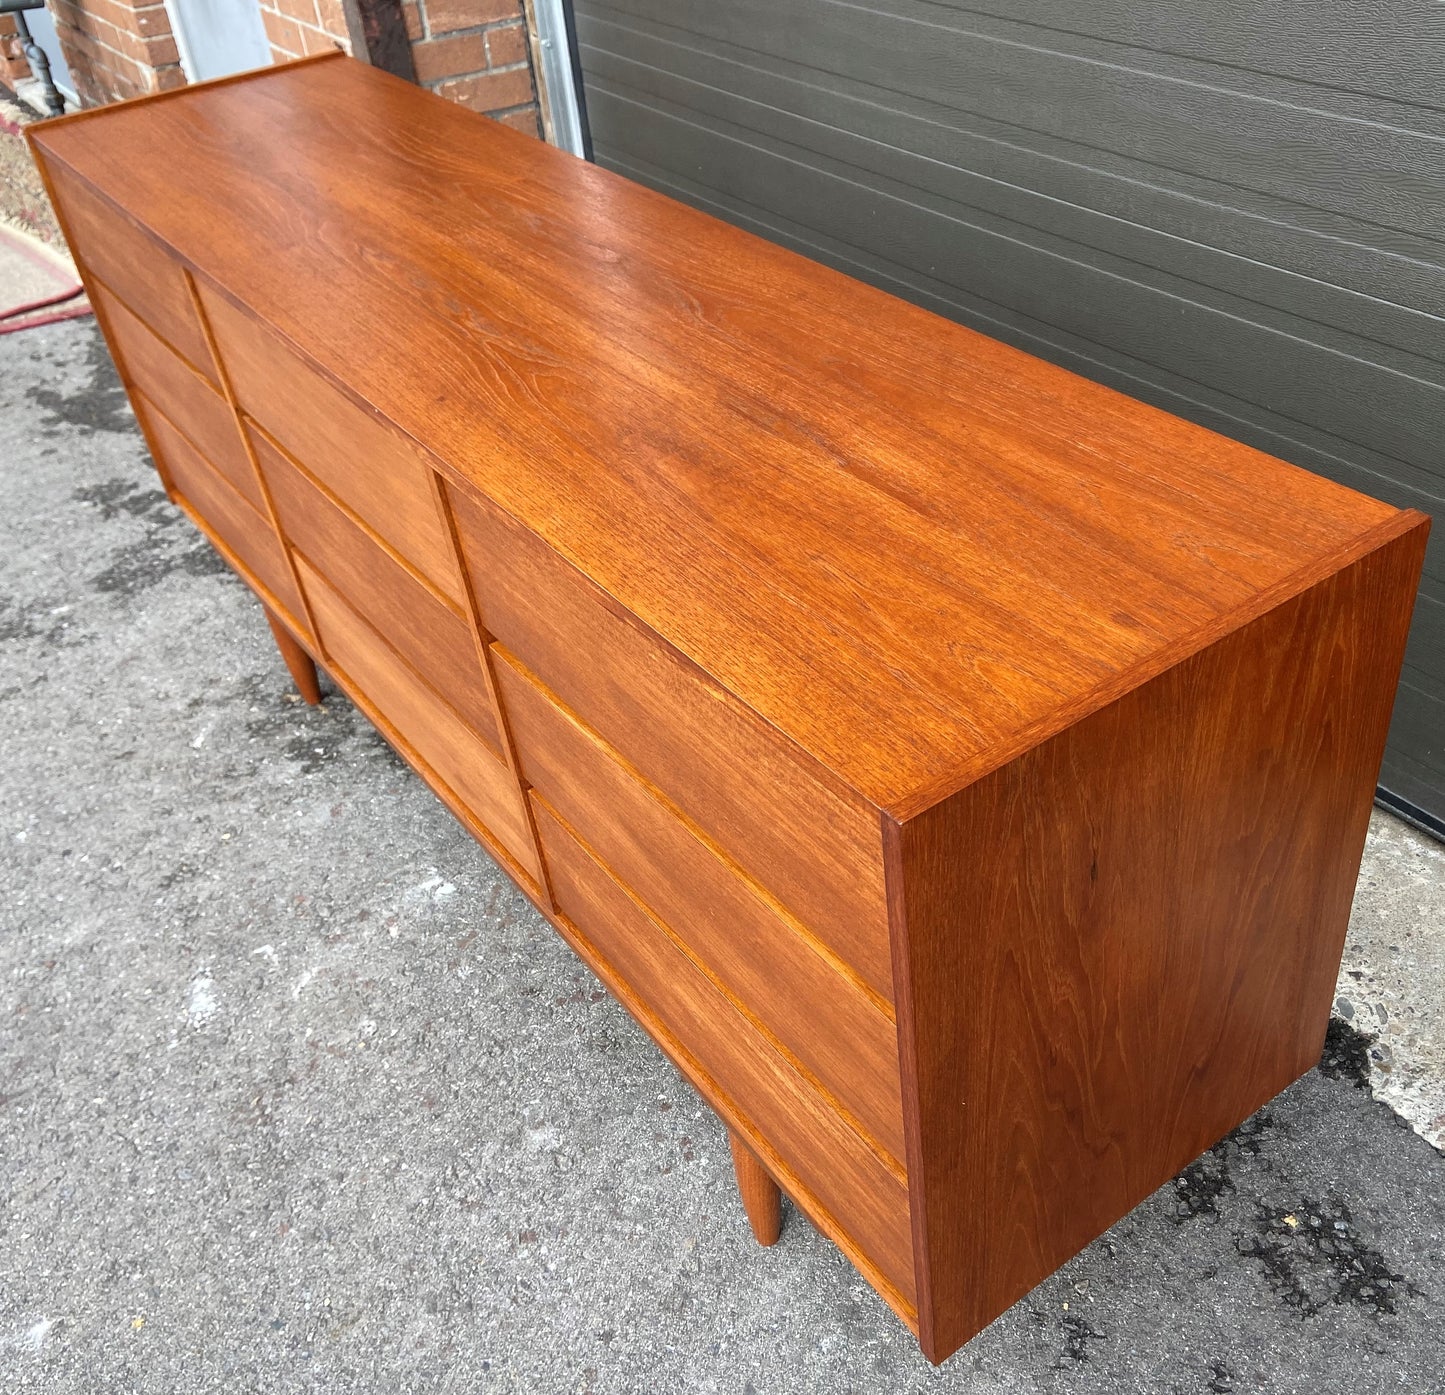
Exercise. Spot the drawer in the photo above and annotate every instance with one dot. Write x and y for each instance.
(374, 469)
(820, 1015)
(238, 526)
(421, 626)
(423, 725)
(134, 266)
(759, 797)
(188, 401)
(835, 1176)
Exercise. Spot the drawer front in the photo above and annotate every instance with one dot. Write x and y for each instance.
(432, 637)
(133, 265)
(818, 1014)
(377, 472)
(844, 1186)
(188, 401)
(754, 793)
(453, 752)
(243, 530)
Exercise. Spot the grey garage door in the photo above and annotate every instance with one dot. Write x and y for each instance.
(1234, 208)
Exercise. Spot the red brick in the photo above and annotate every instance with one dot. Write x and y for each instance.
(524, 119)
(284, 35)
(331, 15)
(170, 78)
(506, 45)
(161, 53)
(317, 42)
(112, 13)
(411, 13)
(490, 91)
(152, 23)
(302, 10)
(436, 59)
(447, 16)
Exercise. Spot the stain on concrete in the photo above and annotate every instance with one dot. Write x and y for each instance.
(1199, 1189)
(98, 404)
(46, 620)
(162, 550)
(125, 498)
(1221, 1378)
(138, 566)
(1314, 1255)
(1078, 1334)
(314, 738)
(1347, 1054)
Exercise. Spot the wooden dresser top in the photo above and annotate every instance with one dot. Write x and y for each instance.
(913, 549)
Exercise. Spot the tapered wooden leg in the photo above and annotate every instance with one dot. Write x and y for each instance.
(761, 1198)
(298, 661)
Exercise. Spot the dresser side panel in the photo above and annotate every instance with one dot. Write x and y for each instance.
(1119, 946)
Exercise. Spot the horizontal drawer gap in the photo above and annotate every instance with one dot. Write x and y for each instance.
(894, 1165)
(799, 927)
(372, 535)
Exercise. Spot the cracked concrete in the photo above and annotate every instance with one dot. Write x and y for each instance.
(297, 1093)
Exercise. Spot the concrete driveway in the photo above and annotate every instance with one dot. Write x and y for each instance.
(298, 1094)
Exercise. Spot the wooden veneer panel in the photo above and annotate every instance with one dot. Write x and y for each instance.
(429, 726)
(770, 807)
(842, 1183)
(423, 626)
(196, 408)
(135, 266)
(371, 467)
(837, 1032)
(232, 518)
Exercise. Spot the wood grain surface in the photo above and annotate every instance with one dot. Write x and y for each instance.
(900, 558)
(423, 626)
(826, 1168)
(810, 1005)
(766, 804)
(130, 261)
(247, 534)
(197, 409)
(367, 464)
(1150, 953)
(449, 747)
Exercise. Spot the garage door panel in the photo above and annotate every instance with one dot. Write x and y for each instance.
(1310, 40)
(1414, 783)
(1426, 651)
(1133, 210)
(1357, 156)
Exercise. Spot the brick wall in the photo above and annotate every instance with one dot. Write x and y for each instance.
(13, 66)
(475, 52)
(298, 27)
(117, 48)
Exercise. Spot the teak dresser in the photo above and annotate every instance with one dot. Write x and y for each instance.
(960, 769)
